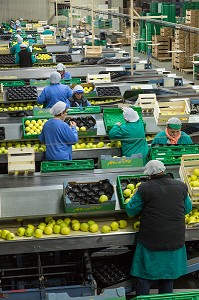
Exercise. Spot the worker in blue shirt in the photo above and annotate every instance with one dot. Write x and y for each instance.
(62, 70)
(54, 92)
(172, 134)
(131, 134)
(78, 99)
(57, 135)
(162, 203)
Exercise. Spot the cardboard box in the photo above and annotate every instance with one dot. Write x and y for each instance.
(109, 162)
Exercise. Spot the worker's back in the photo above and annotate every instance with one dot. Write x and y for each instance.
(25, 59)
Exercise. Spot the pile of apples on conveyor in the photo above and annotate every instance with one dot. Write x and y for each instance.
(92, 143)
(103, 101)
(38, 147)
(64, 226)
(43, 56)
(34, 126)
(19, 106)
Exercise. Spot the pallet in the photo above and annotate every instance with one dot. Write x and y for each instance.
(163, 58)
(186, 71)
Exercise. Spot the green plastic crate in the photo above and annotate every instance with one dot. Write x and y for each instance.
(133, 179)
(31, 136)
(72, 165)
(13, 83)
(171, 155)
(41, 82)
(71, 81)
(114, 115)
(174, 296)
(84, 110)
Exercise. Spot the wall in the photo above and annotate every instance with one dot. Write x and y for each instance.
(26, 9)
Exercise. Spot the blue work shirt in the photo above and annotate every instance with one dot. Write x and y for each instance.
(53, 93)
(58, 137)
(67, 75)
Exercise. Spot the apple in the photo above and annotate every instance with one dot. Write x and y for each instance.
(114, 226)
(21, 231)
(63, 224)
(48, 230)
(127, 200)
(38, 233)
(0, 232)
(138, 184)
(103, 198)
(83, 128)
(47, 219)
(93, 228)
(57, 228)
(122, 224)
(65, 230)
(4, 233)
(29, 232)
(52, 222)
(106, 229)
(90, 222)
(84, 227)
(127, 193)
(76, 226)
(74, 221)
(30, 226)
(59, 221)
(136, 225)
(193, 177)
(10, 236)
(41, 226)
(130, 186)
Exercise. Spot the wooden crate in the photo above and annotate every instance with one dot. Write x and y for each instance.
(42, 23)
(29, 26)
(21, 160)
(179, 109)
(99, 78)
(148, 103)
(188, 164)
(40, 29)
(93, 51)
(4, 49)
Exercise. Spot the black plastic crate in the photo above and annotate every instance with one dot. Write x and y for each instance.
(63, 58)
(108, 91)
(7, 59)
(22, 93)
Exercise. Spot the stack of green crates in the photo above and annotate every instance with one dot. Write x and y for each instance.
(66, 165)
(171, 155)
(189, 5)
(169, 10)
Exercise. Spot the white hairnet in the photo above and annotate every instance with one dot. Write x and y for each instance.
(23, 46)
(154, 167)
(17, 22)
(29, 36)
(55, 77)
(78, 89)
(18, 29)
(19, 39)
(130, 115)
(60, 67)
(58, 108)
(174, 121)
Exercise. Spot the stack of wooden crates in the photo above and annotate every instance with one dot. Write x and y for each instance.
(162, 44)
(186, 44)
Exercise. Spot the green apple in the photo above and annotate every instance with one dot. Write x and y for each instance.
(106, 229)
(4, 233)
(63, 224)
(83, 128)
(196, 172)
(57, 228)
(38, 233)
(48, 230)
(127, 200)
(122, 224)
(90, 222)
(47, 219)
(127, 193)
(67, 221)
(138, 184)
(0, 232)
(30, 226)
(59, 221)
(84, 227)
(76, 226)
(52, 222)
(74, 221)
(103, 198)
(130, 186)
(136, 225)
(10, 236)
(193, 177)
(65, 230)
(93, 228)
(114, 226)
(21, 231)
(29, 232)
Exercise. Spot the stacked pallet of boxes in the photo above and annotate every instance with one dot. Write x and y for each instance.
(161, 46)
(186, 43)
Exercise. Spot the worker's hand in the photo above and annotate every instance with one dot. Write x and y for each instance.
(73, 124)
(118, 123)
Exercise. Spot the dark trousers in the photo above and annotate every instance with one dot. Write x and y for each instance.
(143, 286)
